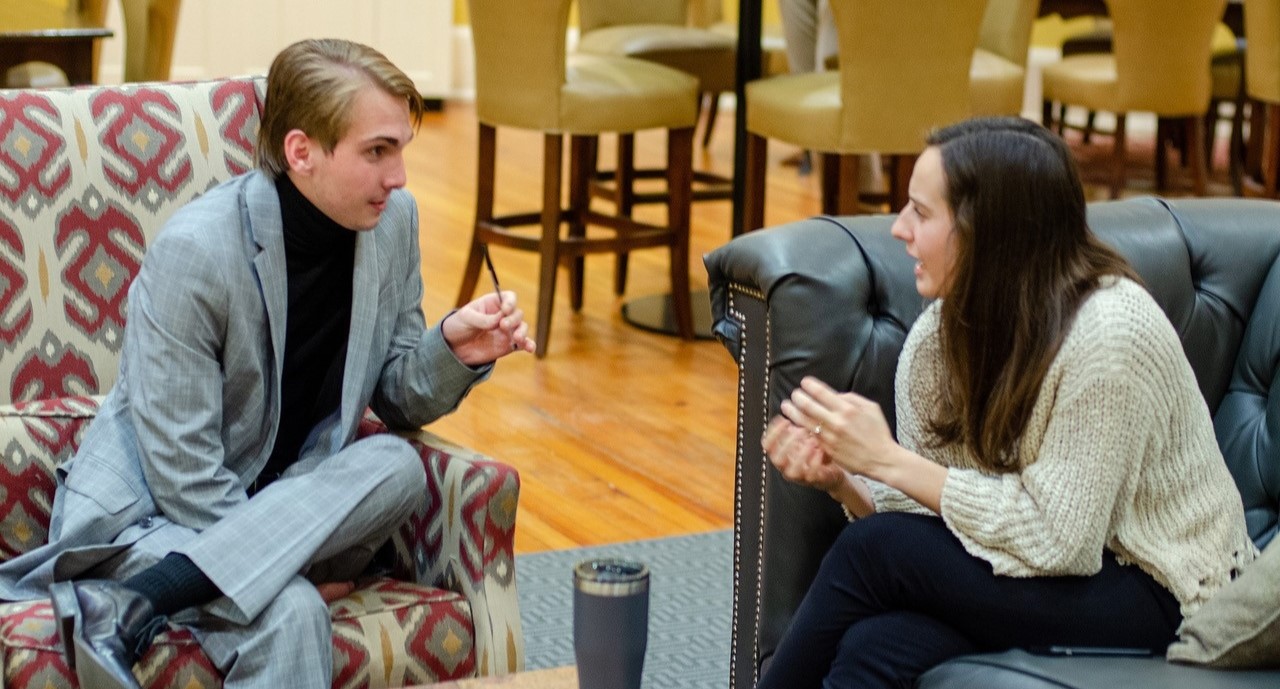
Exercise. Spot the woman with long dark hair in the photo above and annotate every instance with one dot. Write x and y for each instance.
(1047, 414)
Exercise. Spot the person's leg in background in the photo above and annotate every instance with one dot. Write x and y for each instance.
(893, 579)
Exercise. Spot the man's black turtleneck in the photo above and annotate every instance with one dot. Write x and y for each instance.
(320, 255)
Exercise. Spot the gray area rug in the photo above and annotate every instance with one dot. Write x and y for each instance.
(690, 607)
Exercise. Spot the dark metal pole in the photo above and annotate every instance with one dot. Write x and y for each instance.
(748, 68)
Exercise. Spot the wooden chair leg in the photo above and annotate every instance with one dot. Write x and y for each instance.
(1271, 150)
(712, 101)
(830, 163)
(900, 181)
(1088, 126)
(1118, 172)
(1211, 117)
(1236, 152)
(847, 185)
(579, 199)
(1162, 153)
(753, 186)
(486, 166)
(1195, 155)
(625, 180)
(549, 243)
(1046, 114)
(679, 200)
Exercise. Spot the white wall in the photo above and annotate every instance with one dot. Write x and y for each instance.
(219, 38)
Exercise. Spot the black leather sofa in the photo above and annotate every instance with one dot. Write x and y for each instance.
(834, 298)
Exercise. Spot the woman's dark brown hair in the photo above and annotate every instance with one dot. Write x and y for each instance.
(1025, 262)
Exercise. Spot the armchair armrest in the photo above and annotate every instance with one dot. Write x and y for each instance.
(462, 538)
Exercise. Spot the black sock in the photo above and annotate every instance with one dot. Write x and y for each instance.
(173, 584)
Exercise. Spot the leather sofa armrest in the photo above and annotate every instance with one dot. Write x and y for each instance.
(827, 297)
(462, 538)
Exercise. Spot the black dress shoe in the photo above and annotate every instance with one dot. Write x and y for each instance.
(105, 628)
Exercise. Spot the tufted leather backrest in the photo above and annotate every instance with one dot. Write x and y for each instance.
(835, 297)
(87, 177)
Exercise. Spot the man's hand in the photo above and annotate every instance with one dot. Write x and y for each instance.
(331, 591)
(485, 330)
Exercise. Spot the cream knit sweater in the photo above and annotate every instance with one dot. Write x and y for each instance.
(1119, 453)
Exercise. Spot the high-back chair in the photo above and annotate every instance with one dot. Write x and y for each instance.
(1159, 63)
(998, 73)
(150, 30)
(1262, 80)
(887, 94)
(525, 80)
(659, 31)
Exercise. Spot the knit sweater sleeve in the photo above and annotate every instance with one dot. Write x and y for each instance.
(1099, 409)
(913, 387)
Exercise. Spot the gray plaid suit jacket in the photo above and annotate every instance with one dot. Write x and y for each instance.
(193, 416)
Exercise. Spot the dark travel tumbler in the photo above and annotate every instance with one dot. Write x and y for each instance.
(610, 622)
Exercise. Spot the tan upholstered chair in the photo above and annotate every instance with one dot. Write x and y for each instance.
(150, 28)
(998, 73)
(904, 69)
(660, 31)
(525, 80)
(1262, 81)
(1159, 63)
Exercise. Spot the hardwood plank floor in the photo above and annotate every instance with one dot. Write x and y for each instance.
(618, 433)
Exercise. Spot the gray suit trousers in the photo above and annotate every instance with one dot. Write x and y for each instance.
(321, 521)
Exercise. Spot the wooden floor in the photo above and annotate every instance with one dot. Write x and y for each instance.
(618, 434)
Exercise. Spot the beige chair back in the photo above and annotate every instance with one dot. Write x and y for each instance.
(904, 69)
(519, 61)
(705, 13)
(150, 29)
(1006, 28)
(1162, 53)
(597, 14)
(1262, 32)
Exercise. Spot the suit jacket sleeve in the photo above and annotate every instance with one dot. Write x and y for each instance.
(421, 379)
(173, 345)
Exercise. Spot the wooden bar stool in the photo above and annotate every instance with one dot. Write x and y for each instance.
(998, 73)
(1262, 82)
(524, 80)
(904, 69)
(1159, 64)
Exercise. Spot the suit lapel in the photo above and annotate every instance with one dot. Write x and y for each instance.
(364, 312)
(267, 229)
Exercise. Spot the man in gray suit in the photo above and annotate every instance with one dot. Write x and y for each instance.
(221, 483)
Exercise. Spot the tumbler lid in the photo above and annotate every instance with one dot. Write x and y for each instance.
(611, 577)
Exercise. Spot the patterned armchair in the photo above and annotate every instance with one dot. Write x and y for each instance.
(87, 177)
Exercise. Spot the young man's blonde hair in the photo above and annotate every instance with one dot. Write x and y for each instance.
(312, 85)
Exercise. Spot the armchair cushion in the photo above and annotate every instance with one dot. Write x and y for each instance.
(1240, 625)
(385, 634)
